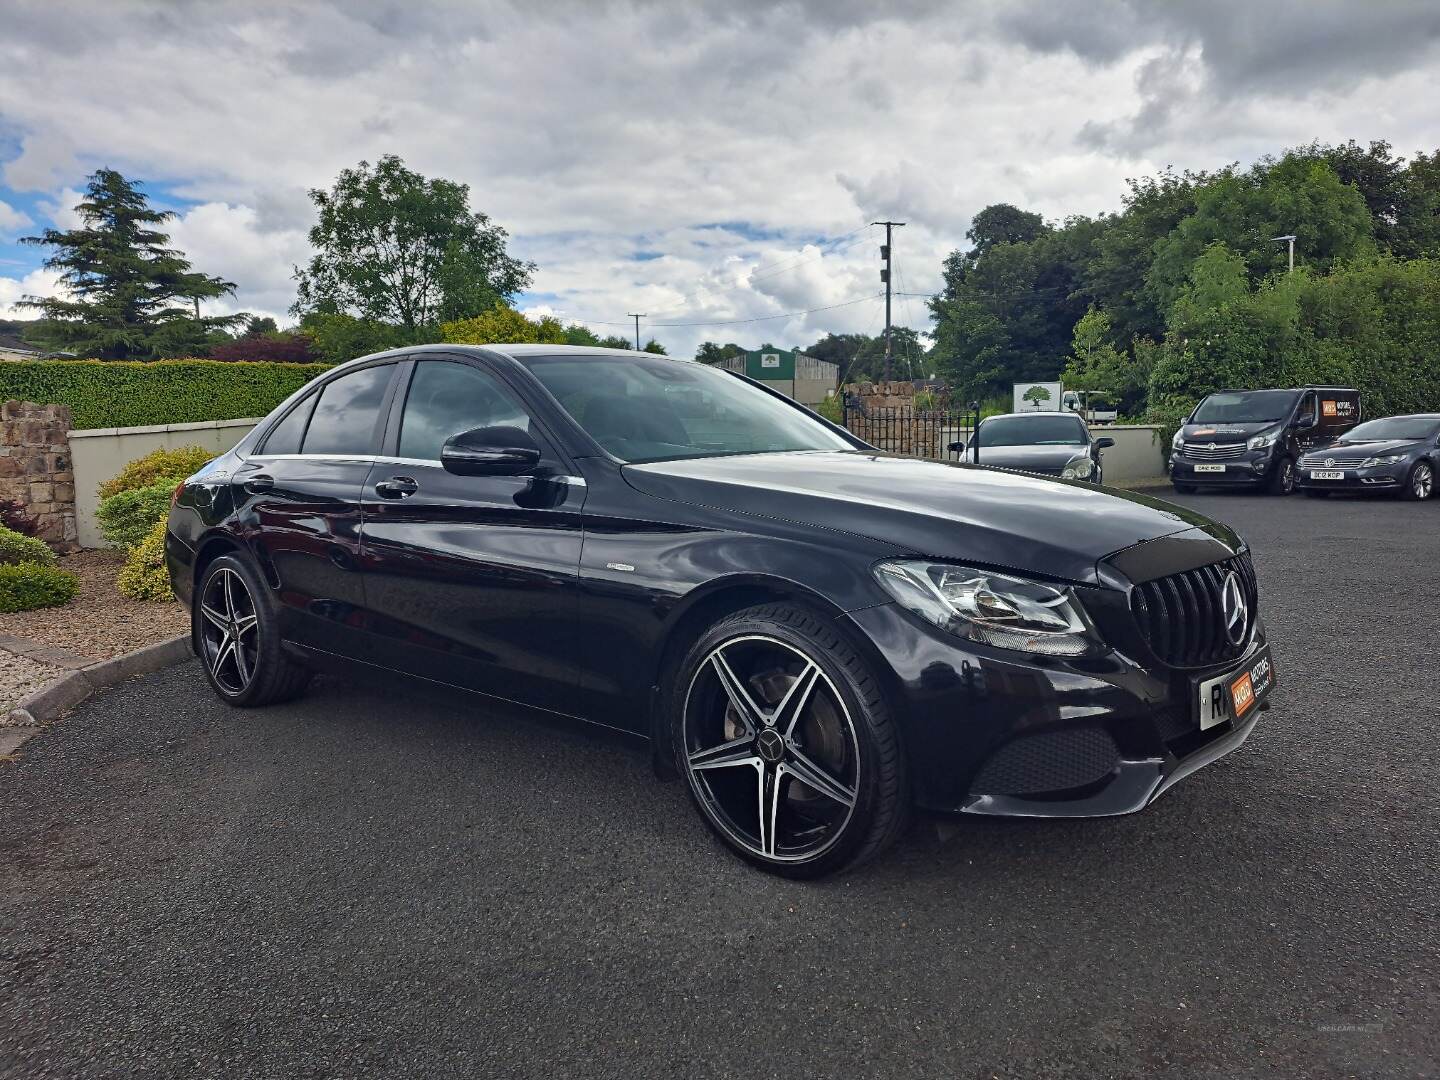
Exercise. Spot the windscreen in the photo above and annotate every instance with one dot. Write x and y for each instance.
(1056, 430)
(1394, 427)
(648, 408)
(1245, 407)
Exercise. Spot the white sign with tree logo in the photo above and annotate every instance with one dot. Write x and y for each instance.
(1038, 397)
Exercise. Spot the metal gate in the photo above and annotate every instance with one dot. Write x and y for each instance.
(918, 433)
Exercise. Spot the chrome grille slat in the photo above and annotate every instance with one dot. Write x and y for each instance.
(1206, 452)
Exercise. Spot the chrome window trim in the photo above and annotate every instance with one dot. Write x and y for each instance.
(428, 463)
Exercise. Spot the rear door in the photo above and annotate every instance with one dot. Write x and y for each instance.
(301, 492)
(473, 578)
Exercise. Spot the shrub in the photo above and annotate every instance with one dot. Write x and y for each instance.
(266, 348)
(156, 466)
(18, 548)
(24, 586)
(125, 518)
(143, 577)
(121, 393)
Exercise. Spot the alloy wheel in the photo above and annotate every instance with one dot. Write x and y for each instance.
(1287, 477)
(771, 749)
(1422, 482)
(228, 631)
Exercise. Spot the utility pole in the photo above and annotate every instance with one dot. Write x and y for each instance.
(885, 277)
(637, 318)
(1290, 237)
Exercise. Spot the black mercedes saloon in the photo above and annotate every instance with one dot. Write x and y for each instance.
(1050, 443)
(815, 636)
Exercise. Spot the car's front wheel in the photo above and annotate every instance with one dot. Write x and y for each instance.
(1282, 480)
(238, 637)
(782, 733)
(1421, 484)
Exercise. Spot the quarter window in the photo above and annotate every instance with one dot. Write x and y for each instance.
(345, 415)
(446, 399)
(285, 437)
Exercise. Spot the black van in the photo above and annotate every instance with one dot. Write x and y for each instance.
(1254, 437)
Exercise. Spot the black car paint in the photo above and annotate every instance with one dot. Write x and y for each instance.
(1049, 460)
(1304, 428)
(568, 591)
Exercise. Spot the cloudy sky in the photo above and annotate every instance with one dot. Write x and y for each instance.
(703, 162)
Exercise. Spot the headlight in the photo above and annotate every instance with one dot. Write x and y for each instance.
(1178, 442)
(993, 609)
(1264, 439)
(1079, 468)
(1386, 459)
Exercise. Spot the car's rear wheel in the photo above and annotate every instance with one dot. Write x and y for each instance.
(1421, 483)
(782, 733)
(238, 637)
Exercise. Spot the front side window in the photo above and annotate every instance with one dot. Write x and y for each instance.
(1056, 430)
(345, 416)
(648, 408)
(446, 399)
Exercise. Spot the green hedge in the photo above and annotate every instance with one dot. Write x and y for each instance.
(30, 585)
(116, 393)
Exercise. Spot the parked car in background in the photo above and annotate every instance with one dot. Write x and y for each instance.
(813, 635)
(1254, 438)
(1049, 443)
(1399, 455)
(1092, 406)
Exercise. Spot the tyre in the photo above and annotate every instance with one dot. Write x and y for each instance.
(1282, 480)
(1316, 493)
(1420, 485)
(235, 626)
(783, 736)
(1185, 489)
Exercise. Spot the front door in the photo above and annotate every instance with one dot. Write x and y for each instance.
(473, 578)
(300, 497)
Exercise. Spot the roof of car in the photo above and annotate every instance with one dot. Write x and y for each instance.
(518, 349)
(1037, 412)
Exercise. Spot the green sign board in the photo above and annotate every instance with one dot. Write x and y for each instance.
(771, 365)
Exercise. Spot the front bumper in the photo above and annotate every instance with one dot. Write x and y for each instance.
(991, 732)
(1251, 467)
(1375, 478)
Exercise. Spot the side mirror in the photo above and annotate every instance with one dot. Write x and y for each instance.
(1305, 423)
(490, 451)
(955, 447)
(1104, 443)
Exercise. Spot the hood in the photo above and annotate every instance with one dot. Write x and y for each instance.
(1054, 528)
(1036, 458)
(1223, 433)
(1369, 447)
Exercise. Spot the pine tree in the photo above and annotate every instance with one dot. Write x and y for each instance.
(129, 296)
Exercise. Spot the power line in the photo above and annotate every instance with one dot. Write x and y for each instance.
(765, 318)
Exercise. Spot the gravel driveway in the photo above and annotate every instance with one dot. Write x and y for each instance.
(384, 880)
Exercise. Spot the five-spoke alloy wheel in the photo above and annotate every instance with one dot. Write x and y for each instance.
(1421, 485)
(788, 750)
(233, 628)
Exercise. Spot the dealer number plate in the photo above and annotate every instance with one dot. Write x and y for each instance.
(1327, 474)
(1209, 468)
(1235, 694)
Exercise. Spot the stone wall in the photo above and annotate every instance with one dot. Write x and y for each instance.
(35, 468)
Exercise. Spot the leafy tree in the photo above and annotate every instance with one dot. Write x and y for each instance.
(130, 297)
(502, 324)
(653, 346)
(709, 352)
(397, 248)
(337, 338)
(1095, 364)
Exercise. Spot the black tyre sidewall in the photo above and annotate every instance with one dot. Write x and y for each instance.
(272, 668)
(873, 730)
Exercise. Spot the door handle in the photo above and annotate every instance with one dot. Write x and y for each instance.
(260, 483)
(397, 487)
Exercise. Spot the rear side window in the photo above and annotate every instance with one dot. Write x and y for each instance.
(286, 435)
(345, 415)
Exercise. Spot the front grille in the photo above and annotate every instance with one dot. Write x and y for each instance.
(1212, 451)
(1331, 462)
(1181, 617)
(1050, 761)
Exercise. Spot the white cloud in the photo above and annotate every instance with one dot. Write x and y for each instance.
(12, 220)
(597, 132)
(13, 290)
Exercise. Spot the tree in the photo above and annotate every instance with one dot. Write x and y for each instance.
(711, 353)
(503, 324)
(129, 296)
(653, 346)
(278, 348)
(397, 248)
(1036, 395)
(1096, 364)
(1002, 223)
